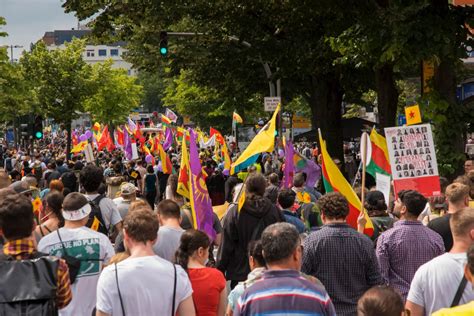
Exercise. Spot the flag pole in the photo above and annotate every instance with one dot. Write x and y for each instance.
(364, 160)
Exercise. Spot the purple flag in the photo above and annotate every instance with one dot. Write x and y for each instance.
(168, 139)
(289, 165)
(127, 145)
(309, 167)
(201, 205)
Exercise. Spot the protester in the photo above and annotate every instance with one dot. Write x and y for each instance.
(438, 208)
(143, 284)
(93, 249)
(150, 186)
(90, 179)
(30, 280)
(209, 285)
(282, 289)
(257, 266)
(299, 186)
(170, 231)
(409, 244)
(436, 283)
(377, 211)
(128, 195)
(241, 227)
(457, 195)
(171, 190)
(466, 309)
(52, 214)
(286, 199)
(468, 166)
(343, 259)
(381, 300)
(271, 191)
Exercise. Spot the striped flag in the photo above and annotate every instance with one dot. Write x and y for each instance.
(378, 161)
(334, 181)
(183, 177)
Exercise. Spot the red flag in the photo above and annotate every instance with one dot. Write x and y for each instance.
(104, 139)
(219, 138)
(119, 136)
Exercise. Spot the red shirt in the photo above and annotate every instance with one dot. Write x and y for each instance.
(207, 283)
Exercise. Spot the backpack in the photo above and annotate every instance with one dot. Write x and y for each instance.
(29, 286)
(96, 221)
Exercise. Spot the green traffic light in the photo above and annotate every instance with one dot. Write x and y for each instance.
(39, 135)
(163, 50)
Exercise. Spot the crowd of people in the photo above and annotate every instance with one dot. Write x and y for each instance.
(114, 237)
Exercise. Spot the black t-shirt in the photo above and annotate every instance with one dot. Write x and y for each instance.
(441, 226)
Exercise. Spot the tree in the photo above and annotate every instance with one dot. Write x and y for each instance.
(116, 94)
(61, 81)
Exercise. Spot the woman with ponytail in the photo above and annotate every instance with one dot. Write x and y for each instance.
(209, 284)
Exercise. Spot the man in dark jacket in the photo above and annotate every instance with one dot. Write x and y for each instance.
(242, 227)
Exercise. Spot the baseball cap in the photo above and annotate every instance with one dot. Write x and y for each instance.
(127, 188)
(21, 187)
(76, 207)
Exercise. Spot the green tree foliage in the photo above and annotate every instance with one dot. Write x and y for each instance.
(115, 96)
(61, 81)
(153, 90)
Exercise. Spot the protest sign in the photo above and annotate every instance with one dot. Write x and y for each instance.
(413, 159)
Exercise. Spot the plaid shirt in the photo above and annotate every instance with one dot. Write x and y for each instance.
(21, 249)
(403, 249)
(344, 261)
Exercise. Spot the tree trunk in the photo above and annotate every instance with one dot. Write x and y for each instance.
(387, 96)
(326, 108)
(68, 141)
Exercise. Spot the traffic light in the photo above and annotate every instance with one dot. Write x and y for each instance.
(163, 43)
(24, 130)
(38, 128)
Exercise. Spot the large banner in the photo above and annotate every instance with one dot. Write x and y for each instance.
(413, 159)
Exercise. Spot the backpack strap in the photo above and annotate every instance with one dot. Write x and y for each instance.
(118, 289)
(459, 292)
(174, 290)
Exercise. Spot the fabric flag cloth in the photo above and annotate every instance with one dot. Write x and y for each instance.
(132, 126)
(378, 162)
(171, 115)
(201, 205)
(165, 160)
(211, 142)
(127, 145)
(219, 138)
(236, 118)
(264, 141)
(289, 170)
(334, 181)
(104, 139)
(75, 138)
(307, 166)
(226, 157)
(183, 177)
(413, 114)
(119, 133)
(79, 147)
(168, 139)
(165, 120)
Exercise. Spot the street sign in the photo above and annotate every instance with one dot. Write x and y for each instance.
(271, 103)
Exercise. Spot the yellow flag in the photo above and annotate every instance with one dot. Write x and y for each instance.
(413, 114)
(183, 177)
(241, 198)
(79, 147)
(95, 224)
(237, 118)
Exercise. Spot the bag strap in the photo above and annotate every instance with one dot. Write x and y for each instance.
(174, 290)
(459, 292)
(62, 244)
(257, 229)
(118, 288)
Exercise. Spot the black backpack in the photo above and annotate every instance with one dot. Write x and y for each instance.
(8, 164)
(96, 216)
(28, 286)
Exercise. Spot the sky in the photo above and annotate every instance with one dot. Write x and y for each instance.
(28, 20)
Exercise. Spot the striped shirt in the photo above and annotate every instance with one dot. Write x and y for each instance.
(284, 292)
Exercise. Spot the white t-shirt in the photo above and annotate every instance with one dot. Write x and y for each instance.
(81, 243)
(146, 287)
(435, 283)
(109, 210)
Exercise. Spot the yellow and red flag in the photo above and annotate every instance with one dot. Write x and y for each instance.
(334, 181)
(165, 160)
(183, 177)
(413, 114)
(79, 147)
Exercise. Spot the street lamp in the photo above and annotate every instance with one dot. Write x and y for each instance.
(11, 50)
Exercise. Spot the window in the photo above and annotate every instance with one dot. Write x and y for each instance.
(102, 52)
(90, 53)
(114, 52)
